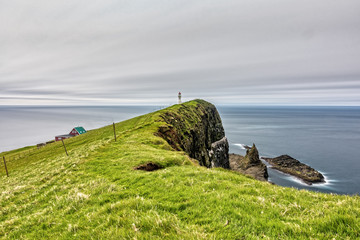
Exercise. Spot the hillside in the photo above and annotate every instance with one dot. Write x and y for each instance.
(95, 193)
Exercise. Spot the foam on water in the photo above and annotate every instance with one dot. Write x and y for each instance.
(242, 146)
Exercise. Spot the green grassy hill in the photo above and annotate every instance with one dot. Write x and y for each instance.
(95, 193)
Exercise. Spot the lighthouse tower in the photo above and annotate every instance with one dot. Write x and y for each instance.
(179, 97)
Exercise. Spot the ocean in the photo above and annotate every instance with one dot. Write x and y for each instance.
(23, 126)
(326, 138)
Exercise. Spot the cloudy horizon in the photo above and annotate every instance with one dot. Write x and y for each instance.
(143, 52)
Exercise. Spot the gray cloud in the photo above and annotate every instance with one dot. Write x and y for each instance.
(135, 52)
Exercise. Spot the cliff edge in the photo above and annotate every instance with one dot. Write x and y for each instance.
(196, 128)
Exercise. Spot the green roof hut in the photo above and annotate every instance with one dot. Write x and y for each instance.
(74, 132)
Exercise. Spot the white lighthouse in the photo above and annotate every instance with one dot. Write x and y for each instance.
(179, 97)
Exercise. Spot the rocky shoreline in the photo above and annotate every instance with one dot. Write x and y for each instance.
(250, 165)
(289, 165)
(202, 136)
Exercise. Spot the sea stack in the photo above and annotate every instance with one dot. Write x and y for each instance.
(250, 164)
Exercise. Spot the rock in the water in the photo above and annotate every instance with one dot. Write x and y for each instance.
(219, 153)
(250, 164)
(287, 164)
(251, 158)
(247, 147)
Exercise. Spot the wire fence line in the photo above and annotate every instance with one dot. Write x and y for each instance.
(11, 157)
(15, 156)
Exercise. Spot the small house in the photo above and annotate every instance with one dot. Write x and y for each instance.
(77, 131)
(74, 132)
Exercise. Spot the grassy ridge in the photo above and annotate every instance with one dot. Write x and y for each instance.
(95, 193)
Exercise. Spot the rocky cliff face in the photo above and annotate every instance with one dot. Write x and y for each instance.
(196, 128)
(219, 153)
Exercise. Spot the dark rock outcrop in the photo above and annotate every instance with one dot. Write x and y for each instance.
(287, 164)
(196, 128)
(148, 167)
(251, 158)
(250, 164)
(219, 153)
(247, 147)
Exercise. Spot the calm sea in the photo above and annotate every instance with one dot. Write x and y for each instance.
(326, 138)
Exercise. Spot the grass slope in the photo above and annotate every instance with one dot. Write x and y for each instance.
(95, 194)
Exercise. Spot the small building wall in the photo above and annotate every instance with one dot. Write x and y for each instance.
(74, 132)
(59, 138)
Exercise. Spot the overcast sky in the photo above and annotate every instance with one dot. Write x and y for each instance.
(105, 52)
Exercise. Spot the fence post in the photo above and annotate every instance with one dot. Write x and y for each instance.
(114, 131)
(5, 166)
(64, 147)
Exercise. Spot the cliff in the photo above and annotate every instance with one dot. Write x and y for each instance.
(197, 129)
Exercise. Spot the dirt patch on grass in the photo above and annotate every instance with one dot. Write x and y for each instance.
(148, 167)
